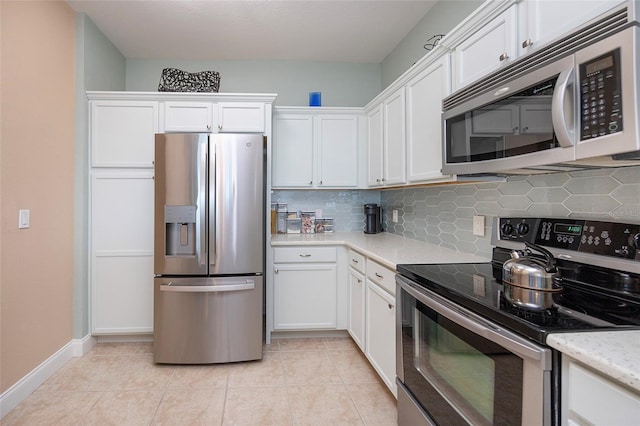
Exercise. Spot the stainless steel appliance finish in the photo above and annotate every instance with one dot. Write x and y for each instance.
(209, 248)
(510, 379)
(572, 105)
(469, 353)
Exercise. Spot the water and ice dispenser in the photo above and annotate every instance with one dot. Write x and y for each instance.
(180, 234)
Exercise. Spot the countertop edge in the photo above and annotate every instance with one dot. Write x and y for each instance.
(612, 353)
(387, 249)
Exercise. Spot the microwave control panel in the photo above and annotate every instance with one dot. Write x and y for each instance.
(600, 96)
(587, 236)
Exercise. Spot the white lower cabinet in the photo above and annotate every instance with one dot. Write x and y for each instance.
(590, 398)
(122, 252)
(304, 288)
(357, 302)
(380, 333)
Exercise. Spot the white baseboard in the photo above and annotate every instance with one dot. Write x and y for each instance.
(29, 383)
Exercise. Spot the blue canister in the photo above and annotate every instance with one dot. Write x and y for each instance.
(315, 99)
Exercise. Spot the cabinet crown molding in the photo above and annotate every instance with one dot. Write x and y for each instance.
(183, 96)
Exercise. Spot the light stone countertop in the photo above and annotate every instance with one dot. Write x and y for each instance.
(613, 353)
(386, 249)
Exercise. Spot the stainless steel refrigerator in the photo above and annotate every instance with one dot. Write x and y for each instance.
(209, 248)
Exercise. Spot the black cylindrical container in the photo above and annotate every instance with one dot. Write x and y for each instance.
(373, 218)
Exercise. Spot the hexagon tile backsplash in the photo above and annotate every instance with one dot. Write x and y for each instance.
(443, 214)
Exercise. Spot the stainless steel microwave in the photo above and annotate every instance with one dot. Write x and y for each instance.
(574, 104)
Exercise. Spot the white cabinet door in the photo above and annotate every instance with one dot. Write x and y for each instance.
(486, 50)
(304, 296)
(122, 133)
(394, 139)
(241, 117)
(337, 151)
(188, 116)
(357, 307)
(542, 21)
(292, 163)
(590, 398)
(424, 122)
(375, 163)
(380, 340)
(122, 253)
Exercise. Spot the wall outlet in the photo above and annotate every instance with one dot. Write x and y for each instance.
(394, 216)
(478, 226)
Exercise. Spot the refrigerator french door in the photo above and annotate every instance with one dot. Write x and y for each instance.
(209, 248)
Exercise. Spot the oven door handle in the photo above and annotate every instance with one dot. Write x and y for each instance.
(477, 324)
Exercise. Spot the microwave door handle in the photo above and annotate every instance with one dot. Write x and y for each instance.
(563, 132)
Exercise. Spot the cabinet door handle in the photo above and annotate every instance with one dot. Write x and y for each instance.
(527, 43)
(359, 281)
(310, 182)
(219, 126)
(208, 126)
(320, 182)
(305, 255)
(390, 306)
(504, 57)
(354, 261)
(379, 276)
(276, 270)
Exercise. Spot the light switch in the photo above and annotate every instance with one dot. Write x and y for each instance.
(394, 216)
(23, 219)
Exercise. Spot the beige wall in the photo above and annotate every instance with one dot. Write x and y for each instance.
(36, 172)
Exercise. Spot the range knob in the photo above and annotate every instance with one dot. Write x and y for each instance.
(507, 229)
(522, 229)
(634, 241)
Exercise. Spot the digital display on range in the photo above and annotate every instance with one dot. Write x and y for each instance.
(562, 228)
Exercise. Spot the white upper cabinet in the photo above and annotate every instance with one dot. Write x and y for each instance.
(486, 50)
(188, 116)
(424, 122)
(315, 150)
(375, 163)
(241, 117)
(337, 151)
(292, 161)
(387, 141)
(541, 21)
(394, 139)
(122, 133)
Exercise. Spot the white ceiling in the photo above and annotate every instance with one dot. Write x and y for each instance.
(320, 30)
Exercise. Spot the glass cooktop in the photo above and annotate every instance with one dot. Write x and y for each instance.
(592, 298)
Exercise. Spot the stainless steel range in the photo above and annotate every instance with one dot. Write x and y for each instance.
(471, 338)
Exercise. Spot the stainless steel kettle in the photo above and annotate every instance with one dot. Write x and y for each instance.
(530, 279)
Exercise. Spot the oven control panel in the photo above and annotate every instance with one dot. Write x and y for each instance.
(587, 236)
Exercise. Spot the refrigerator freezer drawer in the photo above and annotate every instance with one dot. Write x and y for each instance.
(207, 320)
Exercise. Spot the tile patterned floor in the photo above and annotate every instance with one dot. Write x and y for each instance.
(320, 381)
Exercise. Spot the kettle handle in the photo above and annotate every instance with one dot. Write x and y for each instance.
(551, 264)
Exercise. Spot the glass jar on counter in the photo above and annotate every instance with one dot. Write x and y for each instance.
(281, 225)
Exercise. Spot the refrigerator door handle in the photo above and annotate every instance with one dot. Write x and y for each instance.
(202, 206)
(213, 194)
(236, 285)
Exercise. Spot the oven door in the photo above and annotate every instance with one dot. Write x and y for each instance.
(459, 369)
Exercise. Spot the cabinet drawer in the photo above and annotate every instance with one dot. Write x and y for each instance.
(356, 261)
(304, 254)
(382, 276)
